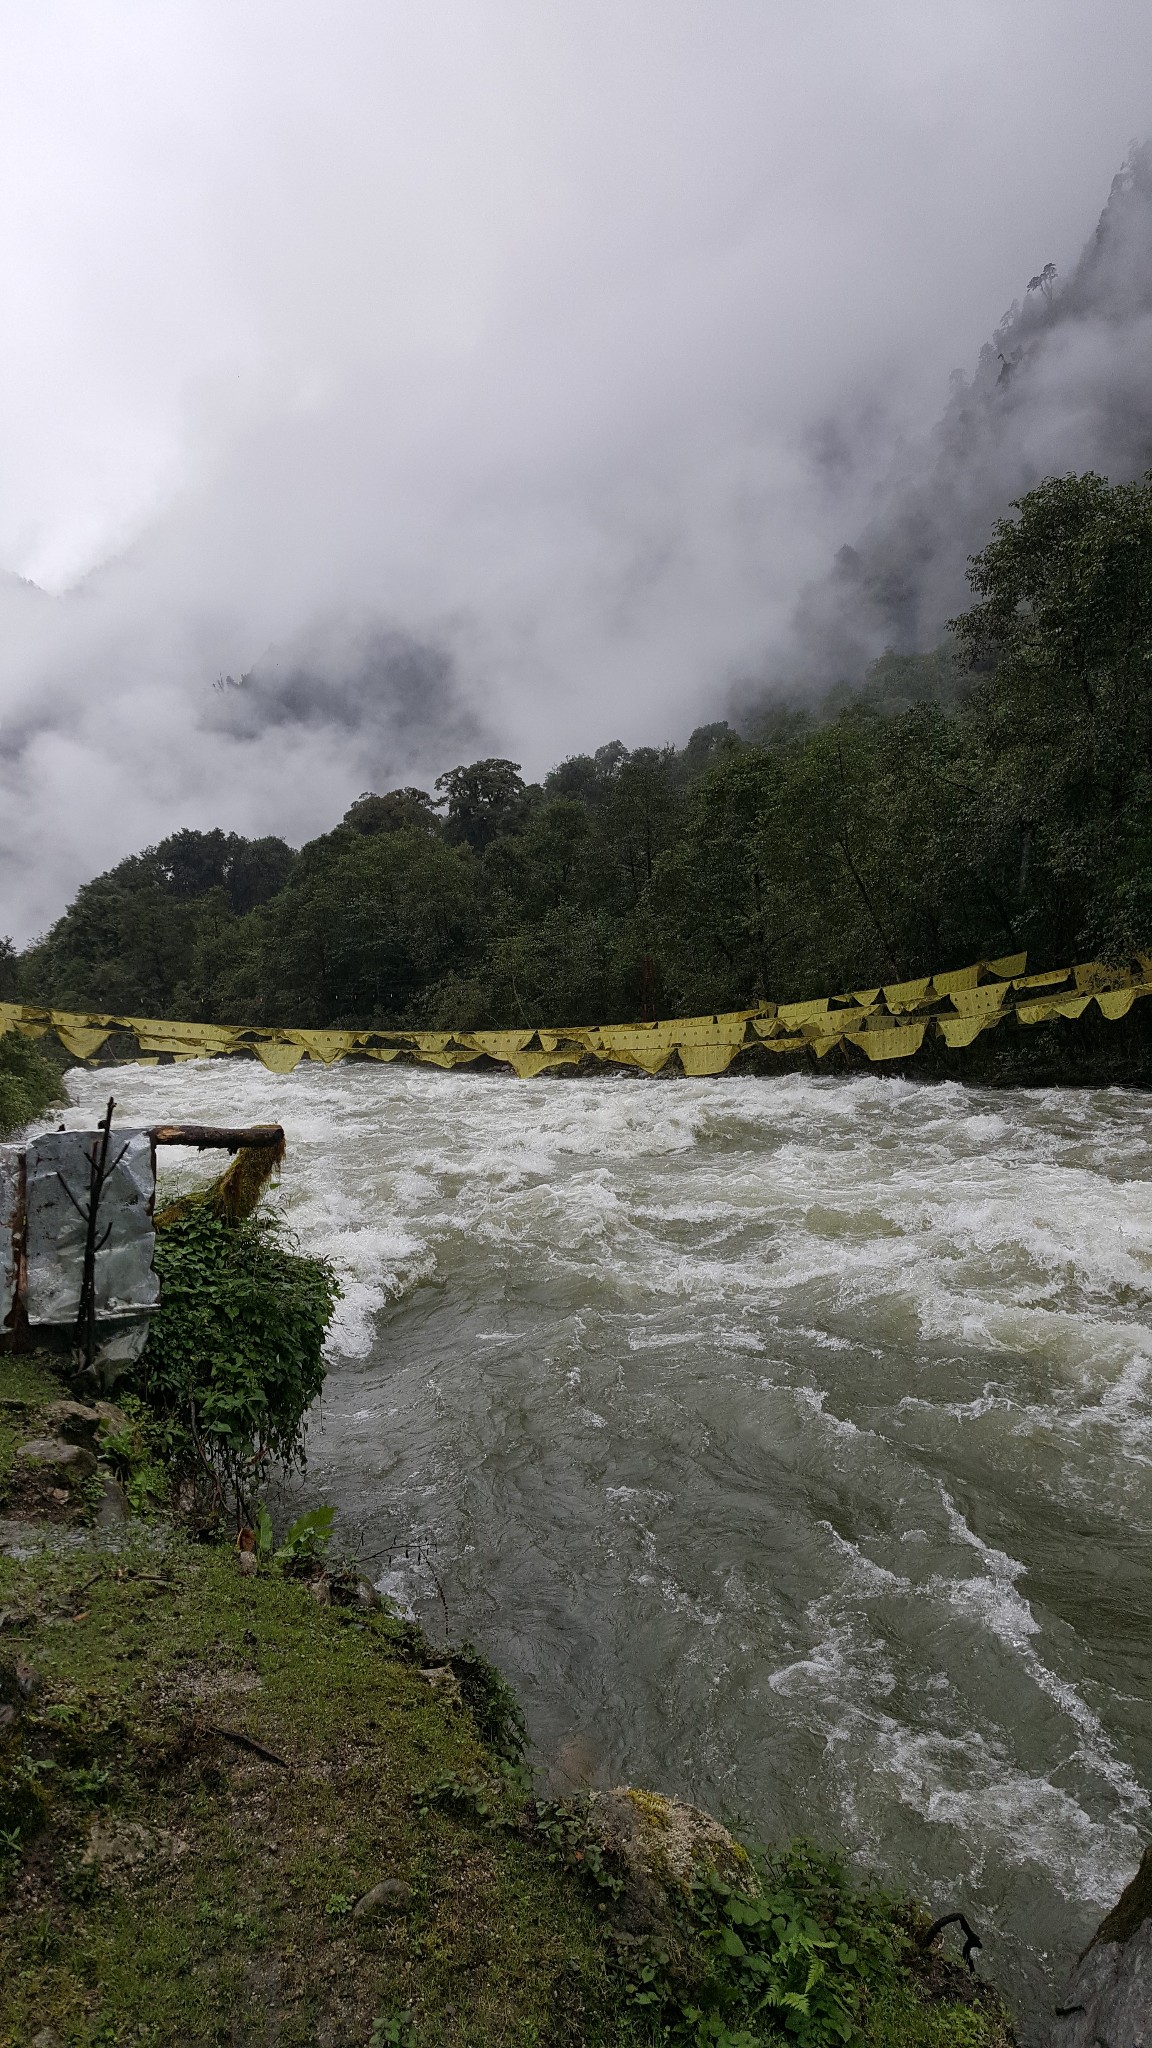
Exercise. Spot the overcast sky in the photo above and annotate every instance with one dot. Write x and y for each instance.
(507, 327)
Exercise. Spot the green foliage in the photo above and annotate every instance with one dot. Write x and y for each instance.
(234, 1357)
(491, 1702)
(138, 1456)
(394, 2030)
(305, 1541)
(796, 1959)
(29, 1083)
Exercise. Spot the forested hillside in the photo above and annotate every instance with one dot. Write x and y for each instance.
(990, 796)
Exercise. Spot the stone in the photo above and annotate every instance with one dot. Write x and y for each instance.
(45, 2039)
(1108, 2003)
(51, 1455)
(391, 1897)
(657, 1846)
(247, 1563)
(321, 1590)
(75, 1421)
(114, 1506)
(113, 1418)
(19, 1683)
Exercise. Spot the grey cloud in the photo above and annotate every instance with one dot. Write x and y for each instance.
(1065, 384)
(458, 374)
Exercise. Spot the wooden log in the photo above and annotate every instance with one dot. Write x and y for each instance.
(206, 1137)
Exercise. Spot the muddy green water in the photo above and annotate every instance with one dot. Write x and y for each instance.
(788, 1442)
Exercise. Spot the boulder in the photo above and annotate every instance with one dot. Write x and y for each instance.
(52, 1456)
(75, 1422)
(658, 1845)
(1108, 2003)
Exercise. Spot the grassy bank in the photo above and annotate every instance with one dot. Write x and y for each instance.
(208, 1773)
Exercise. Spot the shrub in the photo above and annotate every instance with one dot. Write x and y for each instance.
(29, 1083)
(234, 1357)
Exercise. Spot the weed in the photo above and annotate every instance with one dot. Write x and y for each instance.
(394, 2030)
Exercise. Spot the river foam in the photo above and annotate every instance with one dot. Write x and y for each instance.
(786, 1440)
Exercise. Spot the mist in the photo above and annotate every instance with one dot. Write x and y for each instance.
(507, 379)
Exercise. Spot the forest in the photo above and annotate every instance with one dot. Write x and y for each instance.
(986, 797)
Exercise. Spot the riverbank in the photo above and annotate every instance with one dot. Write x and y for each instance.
(252, 1806)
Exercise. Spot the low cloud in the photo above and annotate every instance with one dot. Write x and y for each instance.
(493, 378)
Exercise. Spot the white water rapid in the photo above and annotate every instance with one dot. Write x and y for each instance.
(786, 1441)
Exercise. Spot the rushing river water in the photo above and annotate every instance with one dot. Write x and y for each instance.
(787, 1441)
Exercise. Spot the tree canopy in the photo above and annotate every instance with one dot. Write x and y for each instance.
(989, 795)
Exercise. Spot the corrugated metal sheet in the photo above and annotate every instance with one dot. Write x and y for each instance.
(126, 1286)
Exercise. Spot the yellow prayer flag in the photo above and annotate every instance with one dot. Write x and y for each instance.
(526, 1065)
(983, 1001)
(801, 1013)
(1046, 1007)
(823, 1045)
(956, 978)
(1116, 1003)
(81, 1040)
(498, 1044)
(897, 1044)
(279, 1055)
(701, 1056)
(905, 995)
(1051, 979)
(325, 1046)
(647, 1046)
(958, 1031)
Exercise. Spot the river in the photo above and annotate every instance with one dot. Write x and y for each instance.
(787, 1441)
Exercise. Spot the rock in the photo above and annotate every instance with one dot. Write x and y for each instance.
(1108, 2003)
(114, 1507)
(113, 1418)
(384, 1900)
(247, 1562)
(321, 1590)
(45, 2039)
(657, 1845)
(75, 1421)
(51, 1455)
(121, 1844)
(19, 1683)
(366, 1595)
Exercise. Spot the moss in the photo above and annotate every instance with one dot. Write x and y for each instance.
(184, 1886)
(27, 1386)
(902, 2018)
(202, 1771)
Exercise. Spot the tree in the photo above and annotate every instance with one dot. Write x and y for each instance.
(399, 810)
(482, 800)
(1062, 635)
